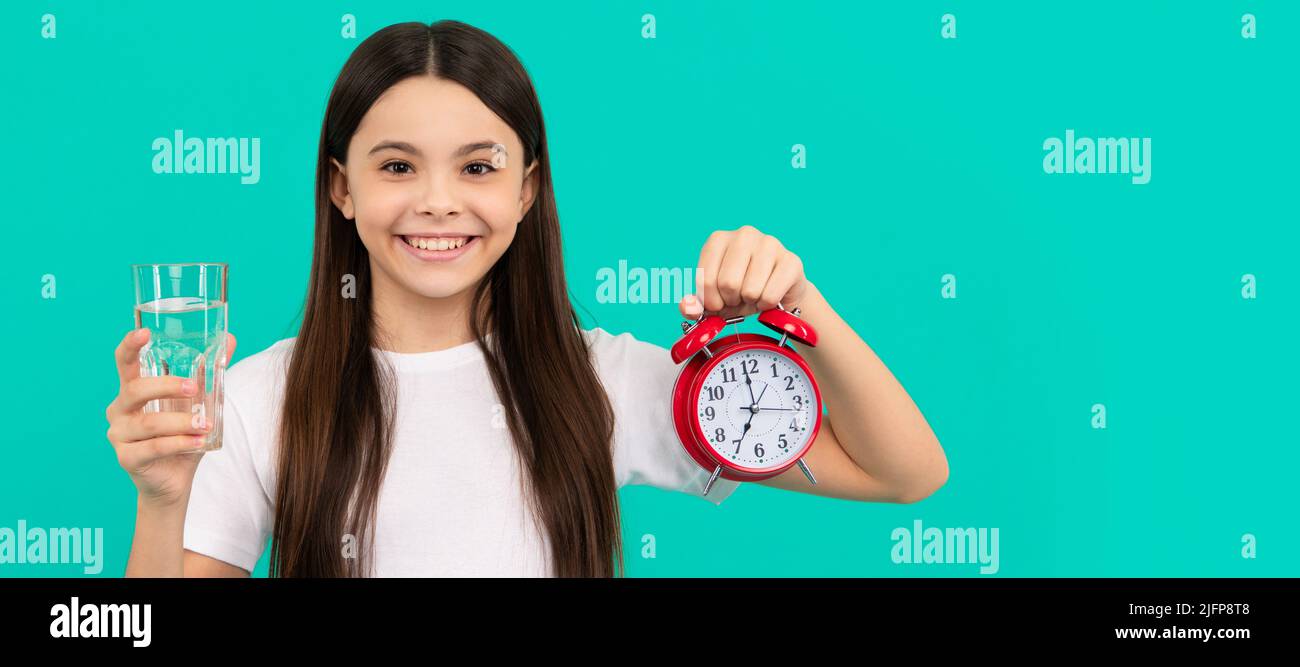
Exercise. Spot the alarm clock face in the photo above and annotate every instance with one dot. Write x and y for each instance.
(756, 409)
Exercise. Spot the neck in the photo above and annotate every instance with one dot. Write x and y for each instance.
(408, 322)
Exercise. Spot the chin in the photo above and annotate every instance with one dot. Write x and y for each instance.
(439, 289)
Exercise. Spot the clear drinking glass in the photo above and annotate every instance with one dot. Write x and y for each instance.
(184, 307)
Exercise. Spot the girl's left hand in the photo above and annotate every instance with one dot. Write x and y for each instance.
(743, 272)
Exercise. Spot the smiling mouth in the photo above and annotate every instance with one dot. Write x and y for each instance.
(442, 243)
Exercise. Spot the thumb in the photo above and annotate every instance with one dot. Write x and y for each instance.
(691, 307)
(230, 347)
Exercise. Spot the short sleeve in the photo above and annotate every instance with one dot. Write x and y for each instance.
(229, 515)
(639, 378)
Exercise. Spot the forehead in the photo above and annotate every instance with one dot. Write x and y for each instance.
(435, 114)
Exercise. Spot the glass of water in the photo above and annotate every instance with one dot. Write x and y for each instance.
(184, 308)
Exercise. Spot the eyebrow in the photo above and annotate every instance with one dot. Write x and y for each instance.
(409, 148)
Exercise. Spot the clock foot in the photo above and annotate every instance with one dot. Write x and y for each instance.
(807, 473)
(712, 478)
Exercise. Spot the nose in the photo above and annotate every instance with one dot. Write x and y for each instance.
(440, 197)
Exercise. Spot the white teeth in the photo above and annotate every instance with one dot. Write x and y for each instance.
(436, 244)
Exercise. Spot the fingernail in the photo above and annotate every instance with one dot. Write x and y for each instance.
(187, 386)
(197, 441)
(141, 334)
(206, 425)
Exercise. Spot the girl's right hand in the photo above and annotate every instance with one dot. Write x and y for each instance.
(159, 450)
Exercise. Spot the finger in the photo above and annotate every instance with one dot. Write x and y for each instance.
(201, 402)
(731, 274)
(691, 307)
(706, 275)
(136, 455)
(144, 426)
(127, 354)
(138, 391)
(784, 276)
(760, 271)
(230, 347)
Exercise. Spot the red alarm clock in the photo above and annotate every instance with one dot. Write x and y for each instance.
(746, 406)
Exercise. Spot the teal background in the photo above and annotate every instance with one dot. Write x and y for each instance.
(924, 158)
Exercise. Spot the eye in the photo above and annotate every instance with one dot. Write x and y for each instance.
(485, 165)
(395, 162)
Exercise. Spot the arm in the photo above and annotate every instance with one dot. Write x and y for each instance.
(874, 444)
(156, 549)
(158, 452)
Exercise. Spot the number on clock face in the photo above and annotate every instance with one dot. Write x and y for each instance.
(770, 435)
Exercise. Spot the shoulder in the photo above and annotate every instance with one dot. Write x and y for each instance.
(639, 377)
(255, 368)
(620, 351)
(630, 366)
(262, 363)
(254, 385)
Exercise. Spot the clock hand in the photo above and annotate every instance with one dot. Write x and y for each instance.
(748, 384)
(751, 413)
(742, 433)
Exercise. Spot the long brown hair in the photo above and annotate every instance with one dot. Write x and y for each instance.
(337, 421)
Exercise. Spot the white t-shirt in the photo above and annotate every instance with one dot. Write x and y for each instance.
(451, 503)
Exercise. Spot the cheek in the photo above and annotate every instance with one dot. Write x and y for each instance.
(380, 203)
(496, 206)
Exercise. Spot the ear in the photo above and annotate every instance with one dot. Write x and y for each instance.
(528, 194)
(339, 193)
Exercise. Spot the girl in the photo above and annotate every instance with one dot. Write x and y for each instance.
(425, 420)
